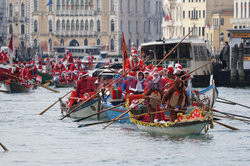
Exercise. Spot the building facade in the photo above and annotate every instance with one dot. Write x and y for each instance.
(85, 22)
(2, 22)
(197, 14)
(172, 19)
(241, 14)
(217, 33)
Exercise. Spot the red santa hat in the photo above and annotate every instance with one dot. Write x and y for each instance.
(179, 68)
(177, 65)
(160, 69)
(83, 74)
(155, 73)
(170, 70)
(67, 50)
(130, 75)
(146, 71)
(19, 63)
(134, 51)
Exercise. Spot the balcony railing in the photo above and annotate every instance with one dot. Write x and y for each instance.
(75, 33)
(75, 12)
(10, 19)
(22, 37)
(22, 19)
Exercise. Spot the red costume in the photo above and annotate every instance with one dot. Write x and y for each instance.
(59, 67)
(137, 65)
(85, 85)
(69, 59)
(91, 59)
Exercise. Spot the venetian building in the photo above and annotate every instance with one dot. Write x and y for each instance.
(241, 14)
(2, 22)
(172, 19)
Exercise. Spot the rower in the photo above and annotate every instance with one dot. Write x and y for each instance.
(85, 84)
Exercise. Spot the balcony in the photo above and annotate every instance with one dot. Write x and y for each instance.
(75, 33)
(10, 19)
(75, 12)
(22, 37)
(22, 19)
(240, 21)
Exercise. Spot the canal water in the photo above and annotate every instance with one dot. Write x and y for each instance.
(35, 140)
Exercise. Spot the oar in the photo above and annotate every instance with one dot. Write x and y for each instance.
(78, 120)
(225, 102)
(98, 91)
(233, 118)
(41, 113)
(234, 103)
(98, 107)
(4, 147)
(115, 119)
(53, 90)
(229, 114)
(225, 125)
(111, 70)
(174, 48)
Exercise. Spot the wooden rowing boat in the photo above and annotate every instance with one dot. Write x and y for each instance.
(15, 87)
(64, 85)
(185, 126)
(45, 77)
(87, 109)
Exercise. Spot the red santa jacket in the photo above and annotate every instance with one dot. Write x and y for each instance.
(59, 68)
(72, 67)
(85, 85)
(69, 58)
(136, 66)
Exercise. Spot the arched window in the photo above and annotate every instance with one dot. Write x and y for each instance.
(98, 42)
(50, 45)
(72, 25)
(98, 4)
(62, 42)
(63, 25)
(35, 5)
(112, 25)
(22, 10)
(98, 24)
(35, 43)
(91, 4)
(72, 5)
(91, 25)
(58, 4)
(58, 25)
(10, 10)
(50, 8)
(86, 4)
(149, 25)
(77, 25)
(112, 6)
(35, 26)
(77, 4)
(10, 29)
(82, 25)
(82, 4)
(68, 25)
(112, 45)
(50, 26)
(145, 27)
(22, 29)
(86, 42)
(86, 25)
(222, 36)
(63, 4)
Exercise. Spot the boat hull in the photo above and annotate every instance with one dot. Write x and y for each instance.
(86, 110)
(14, 87)
(188, 128)
(4, 69)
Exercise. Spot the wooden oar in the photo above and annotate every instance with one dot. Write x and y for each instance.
(225, 125)
(233, 118)
(98, 107)
(98, 91)
(112, 70)
(78, 120)
(4, 147)
(174, 48)
(115, 119)
(234, 103)
(53, 90)
(225, 102)
(41, 113)
(229, 114)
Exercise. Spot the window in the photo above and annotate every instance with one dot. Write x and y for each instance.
(10, 29)
(144, 29)
(183, 33)
(241, 11)
(199, 31)
(63, 4)
(35, 43)
(137, 25)
(91, 4)
(136, 8)
(204, 13)
(189, 14)
(50, 45)
(72, 4)
(137, 43)
(245, 8)
(86, 25)
(35, 5)
(68, 26)
(222, 21)
(121, 6)
(128, 6)
(50, 26)
(86, 4)
(112, 6)
(82, 4)
(112, 45)
(50, 8)
(98, 26)
(35, 26)
(72, 25)
(236, 11)
(58, 25)
(77, 4)
(82, 25)
(98, 5)
(128, 26)
(144, 6)
(222, 36)
(91, 25)
(98, 42)
(22, 10)
(63, 25)
(183, 14)
(62, 42)
(121, 25)
(77, 25)
(112, 25)
(10, 10)
(86, 42)
(149, 25)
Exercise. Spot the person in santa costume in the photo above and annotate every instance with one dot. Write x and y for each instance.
(68, 56)
(180, 72)
(59, 67)
(110, 62)
(129, 84)
(135, 63)
(91, 58)
(85, 84)
(3, 57)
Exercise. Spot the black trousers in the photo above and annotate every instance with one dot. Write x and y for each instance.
(224, 63)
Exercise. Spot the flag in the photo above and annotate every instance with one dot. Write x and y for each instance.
(11, 50)
(69, 3)
(50, 2)
(124, 52)
(89, 4)
(166, 16)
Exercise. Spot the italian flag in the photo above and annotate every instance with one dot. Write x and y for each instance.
(69, 3)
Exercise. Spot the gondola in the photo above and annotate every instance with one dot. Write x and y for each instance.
(16, 87)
